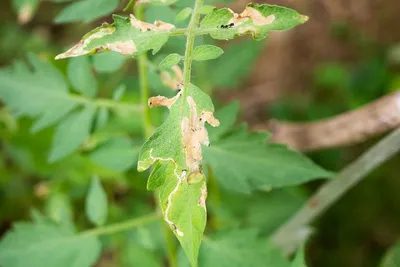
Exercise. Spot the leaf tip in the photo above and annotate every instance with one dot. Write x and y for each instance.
(304, 18)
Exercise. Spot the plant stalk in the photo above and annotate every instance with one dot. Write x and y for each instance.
(144, 83)
(291, 235)
(191, 36)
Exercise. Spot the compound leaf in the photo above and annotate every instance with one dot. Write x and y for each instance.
(176, 148)
(39, 93)
(86, 10)
(244, 161)
(46, 244)
(257, 20)
(128, 36)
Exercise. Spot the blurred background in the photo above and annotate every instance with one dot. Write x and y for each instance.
(347, 55)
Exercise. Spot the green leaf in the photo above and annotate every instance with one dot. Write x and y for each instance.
(227, 73)
(128, 36)
(207, 52)
(244, 161)
(133, 255)
(184, 14)
(117, 154)
(238, 248)
(102, 118)
(176, 147)
(96, 203)
(204, 10)
(86, 10)
(392, 257)
(170, 61)
(257, 20)
(19, 85)
(227, 117)
(81, 76)
(25, 9)
(59, 208)
(108, 62)
(299, 260)
(119, 92)
(72, 132)
(46, 244)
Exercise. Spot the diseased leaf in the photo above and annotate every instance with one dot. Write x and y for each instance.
(170, 61)
(176, 147)
(128, 36)
(86, 10)
(82, 77)
(117, 154)
(46, 244)
(96, 203)
(244, 161)
(71, 133)
(25, 9)
(184, 14)
(207, 52)
(392, 257)
(257, 20)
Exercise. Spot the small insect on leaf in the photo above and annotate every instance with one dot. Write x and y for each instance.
(170, 61)
(207, 52)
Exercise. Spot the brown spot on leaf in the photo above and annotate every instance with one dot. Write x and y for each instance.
(123, 47)
(158, 101)
(256, 16)
(195, 134)
(203, 197)
(173, 81)
(80, 48)
(144, 26)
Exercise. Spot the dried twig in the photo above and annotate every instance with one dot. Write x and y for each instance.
(293, 233)
(346, 129)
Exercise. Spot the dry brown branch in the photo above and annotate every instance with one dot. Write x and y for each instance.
(296, 230)
(349, 128)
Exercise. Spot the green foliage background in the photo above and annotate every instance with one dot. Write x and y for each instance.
(71, 132)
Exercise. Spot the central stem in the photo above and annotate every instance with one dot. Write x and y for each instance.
(191, 36)
(144, 83)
